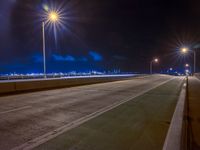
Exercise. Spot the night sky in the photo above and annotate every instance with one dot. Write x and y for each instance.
(99, 35)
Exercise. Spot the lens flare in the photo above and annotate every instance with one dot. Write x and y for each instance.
(59, 18)
(156, 60)
(53, 16)
(184, 50)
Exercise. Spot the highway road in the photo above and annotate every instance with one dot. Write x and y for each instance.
(27, 117)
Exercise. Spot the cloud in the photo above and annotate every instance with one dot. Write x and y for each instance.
(95, 56)
(69, 58)
(63, 58)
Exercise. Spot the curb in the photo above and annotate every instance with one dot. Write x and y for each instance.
(174, 138)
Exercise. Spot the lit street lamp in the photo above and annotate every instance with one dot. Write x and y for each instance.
(186, 50)
(188, 66)
(151, 64)
(52, 17)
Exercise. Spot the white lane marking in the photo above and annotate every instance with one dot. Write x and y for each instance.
(16, 109)
(50, 135)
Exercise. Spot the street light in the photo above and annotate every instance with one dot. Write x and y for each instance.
(151, 64)
(187, 65)
(52, 17)
(185, 50)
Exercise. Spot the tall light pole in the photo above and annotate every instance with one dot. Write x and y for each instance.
(186, 50)
(151, 64)
(52, 17)
(44, 49)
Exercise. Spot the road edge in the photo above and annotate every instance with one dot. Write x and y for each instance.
(174, 136)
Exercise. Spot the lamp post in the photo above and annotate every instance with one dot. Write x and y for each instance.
(186, 50)
(52, 17)
(151, 64)
(188, 66)
(44, 49)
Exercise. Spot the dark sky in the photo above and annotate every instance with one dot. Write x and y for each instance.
(98, 34)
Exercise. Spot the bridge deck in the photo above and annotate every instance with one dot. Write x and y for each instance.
(141, 123)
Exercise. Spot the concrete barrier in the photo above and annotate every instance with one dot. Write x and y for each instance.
(175, 139)
(7, 87)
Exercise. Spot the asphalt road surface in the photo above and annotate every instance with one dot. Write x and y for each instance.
(26, 117)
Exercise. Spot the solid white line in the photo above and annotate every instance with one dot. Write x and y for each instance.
(16, 109)
(50, 135)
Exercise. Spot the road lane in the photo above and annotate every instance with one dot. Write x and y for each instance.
(138, 124)
(49, 110)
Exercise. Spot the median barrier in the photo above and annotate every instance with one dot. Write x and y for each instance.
(7, 87)
(42, 84)
(176, 137)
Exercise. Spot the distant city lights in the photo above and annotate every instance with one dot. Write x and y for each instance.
(72, 74)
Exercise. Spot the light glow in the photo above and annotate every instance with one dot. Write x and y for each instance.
(184, 50)
(53, 16)
(156, 60)
(187, 65)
